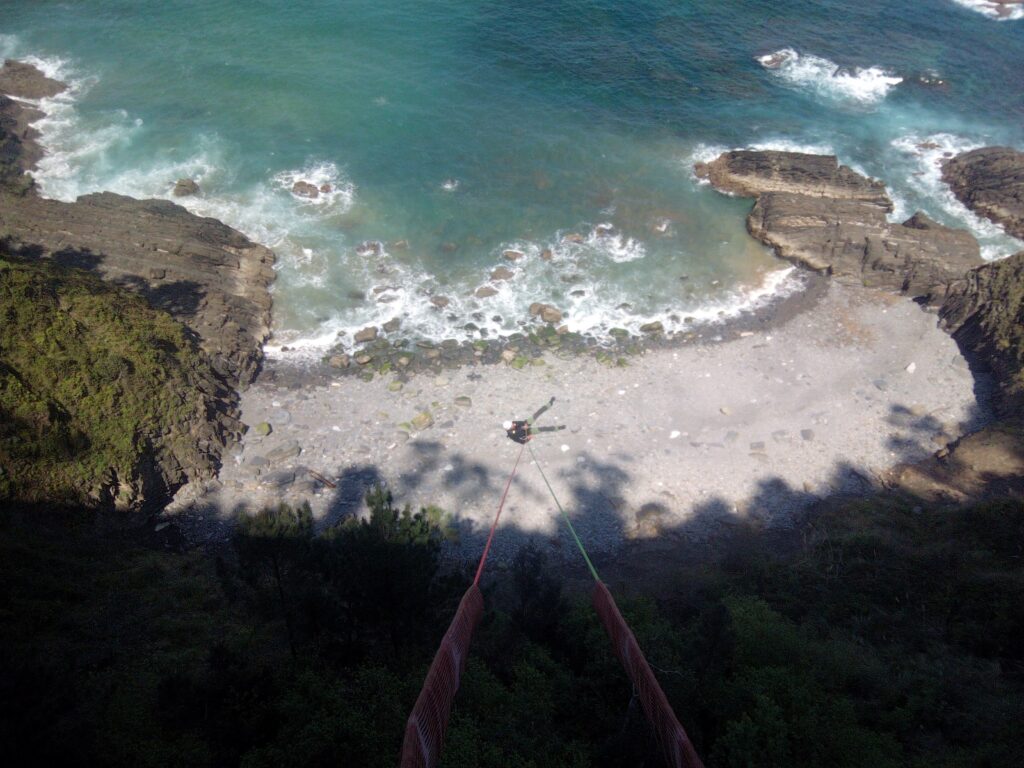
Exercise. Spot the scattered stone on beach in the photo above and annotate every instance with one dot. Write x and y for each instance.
(339, 361)
(725, 410)
(572, 237)
(547, 254)
(326, 188)
(363, 359)
(807, 434)
(502, 273)
(464, 401)
(403, 360)
(655, 327)
(368, 248)
(285, 451)
(279, 479)
(440, 301)
(757, 446)
(305, 189)
(512, 255)
(395, 386)
(367, 334)
(262, 429)
(508, 355)
(485, 291)
(422, 420)
(185, 188)
(392, 325)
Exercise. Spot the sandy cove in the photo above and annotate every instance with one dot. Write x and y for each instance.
(681, 441)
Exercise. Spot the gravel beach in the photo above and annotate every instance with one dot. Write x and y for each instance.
(678, 443)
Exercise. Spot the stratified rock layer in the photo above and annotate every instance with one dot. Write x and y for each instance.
(827, 218)
(990, 181)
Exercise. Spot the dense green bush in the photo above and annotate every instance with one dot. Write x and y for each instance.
(889, 637)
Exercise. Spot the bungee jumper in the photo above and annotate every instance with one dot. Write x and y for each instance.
(428, 721)
(524, 430)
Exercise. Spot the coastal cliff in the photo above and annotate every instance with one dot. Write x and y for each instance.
(203, 274)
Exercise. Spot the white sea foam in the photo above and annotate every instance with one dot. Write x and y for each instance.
(334, 190)
(592, 304)
(998, 11)
(825, 78)
(929, 152)
(614, 245)
(450, 185)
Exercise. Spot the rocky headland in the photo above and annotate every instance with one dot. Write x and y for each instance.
(204, 274)
(825, 217)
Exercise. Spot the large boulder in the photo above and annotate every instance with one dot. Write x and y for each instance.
(990, 181)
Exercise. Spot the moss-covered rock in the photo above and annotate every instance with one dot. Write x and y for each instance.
(103, 400)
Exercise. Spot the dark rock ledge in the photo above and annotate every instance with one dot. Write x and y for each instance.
(206, 275)
(990, 181)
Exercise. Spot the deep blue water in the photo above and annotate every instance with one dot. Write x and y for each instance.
(468, 128)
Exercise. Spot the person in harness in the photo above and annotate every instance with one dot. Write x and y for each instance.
(523, 430)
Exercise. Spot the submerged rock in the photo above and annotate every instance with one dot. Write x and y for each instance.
(305, 189)
(185, 188)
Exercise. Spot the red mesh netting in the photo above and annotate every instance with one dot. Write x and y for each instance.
(675, 746)
(424, 730)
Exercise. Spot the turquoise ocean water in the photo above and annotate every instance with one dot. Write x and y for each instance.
(451, 131)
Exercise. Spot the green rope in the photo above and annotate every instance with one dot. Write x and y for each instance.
(568, 522)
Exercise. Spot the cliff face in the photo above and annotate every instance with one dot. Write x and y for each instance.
(825, 217)
(204, 274)
(985, 314)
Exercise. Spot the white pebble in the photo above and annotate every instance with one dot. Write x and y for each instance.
(564, 448)
(622, 391)
(912, 367)
(673, 434)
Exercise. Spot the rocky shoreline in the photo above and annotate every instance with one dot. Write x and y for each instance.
(820, 215)
(206, 275)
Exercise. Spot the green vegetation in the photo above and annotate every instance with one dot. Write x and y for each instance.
(888, 637)
(93, 383)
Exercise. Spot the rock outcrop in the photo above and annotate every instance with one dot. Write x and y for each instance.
(827, 218)
(990, 181)
(749, 173)
(206, 275)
